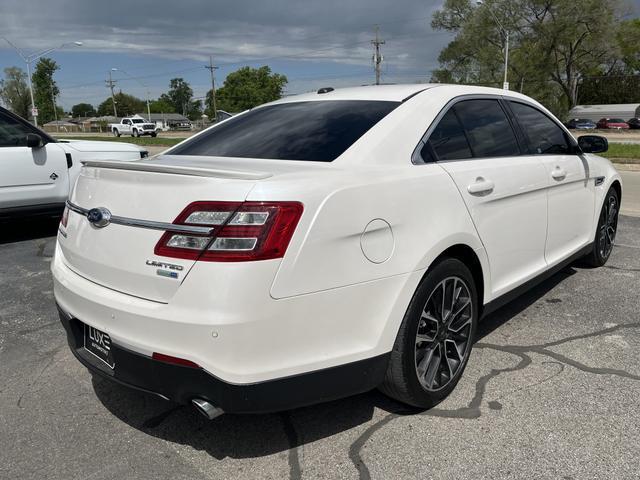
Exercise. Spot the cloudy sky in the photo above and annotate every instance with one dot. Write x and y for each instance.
(314, 43)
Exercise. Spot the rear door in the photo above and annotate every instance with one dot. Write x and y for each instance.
(504, 191)
(29, 176)
(571, 193)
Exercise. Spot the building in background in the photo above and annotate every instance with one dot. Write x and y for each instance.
(168, 121)
(624, 111)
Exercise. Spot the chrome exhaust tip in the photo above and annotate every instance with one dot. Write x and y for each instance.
(207, 409)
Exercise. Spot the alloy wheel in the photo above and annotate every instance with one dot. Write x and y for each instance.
(443, 336)
(608, 226)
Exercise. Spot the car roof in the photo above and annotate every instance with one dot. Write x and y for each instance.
(395, 93)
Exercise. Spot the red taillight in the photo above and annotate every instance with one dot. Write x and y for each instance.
(161, 357)
(65, 217)
(241, 231)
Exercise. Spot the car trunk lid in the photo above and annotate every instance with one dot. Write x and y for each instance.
(121, 256)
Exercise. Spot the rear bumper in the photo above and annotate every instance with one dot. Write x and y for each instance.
(182, 384)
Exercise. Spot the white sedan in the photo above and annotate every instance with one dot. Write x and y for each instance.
(326, 244)
(37, 172)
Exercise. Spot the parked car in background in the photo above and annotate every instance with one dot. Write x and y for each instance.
(37, 171)
(581, 124)
(634, 123)
(135, 126)
(326, 244)
(612, 124)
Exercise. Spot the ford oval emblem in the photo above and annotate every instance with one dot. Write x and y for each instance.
(99, 217)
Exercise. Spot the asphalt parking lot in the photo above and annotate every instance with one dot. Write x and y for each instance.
(552, 391)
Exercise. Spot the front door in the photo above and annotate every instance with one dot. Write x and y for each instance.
(570, 186)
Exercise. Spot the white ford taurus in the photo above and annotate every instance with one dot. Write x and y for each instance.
(326, 244)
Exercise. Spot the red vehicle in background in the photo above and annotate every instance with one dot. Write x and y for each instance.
(612, 123)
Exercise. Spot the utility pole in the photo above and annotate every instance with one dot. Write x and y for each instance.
(377, 58)
(211, 69)
(55, 109)
(111, 83)
(146, 87)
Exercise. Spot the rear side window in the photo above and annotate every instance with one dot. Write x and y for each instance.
(448, 141)
(316, 131)
(545, 136)
(488, 129)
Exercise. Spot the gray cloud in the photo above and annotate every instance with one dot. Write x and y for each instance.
(232, 30)
(313, 33)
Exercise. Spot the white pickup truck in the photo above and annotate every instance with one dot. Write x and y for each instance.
(135, 126)
(37, 172)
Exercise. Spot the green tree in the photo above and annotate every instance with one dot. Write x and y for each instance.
(180, 96)
(553, 44)
(14, 91)
(45, 90)
(125, 104)
(245, 88)
(617, 81)
(83, 110)
(616, 86)
(161, 106)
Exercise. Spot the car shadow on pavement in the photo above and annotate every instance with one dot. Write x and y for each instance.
(249, 436)
(28, 229)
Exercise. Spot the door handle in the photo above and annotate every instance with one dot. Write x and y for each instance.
(559, 173)
(481, 187)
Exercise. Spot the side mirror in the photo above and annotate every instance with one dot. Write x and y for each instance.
(593, 144)
(34, 141)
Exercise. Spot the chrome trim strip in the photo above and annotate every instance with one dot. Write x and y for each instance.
(134, 222)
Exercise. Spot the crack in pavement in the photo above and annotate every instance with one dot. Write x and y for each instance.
(295, 467)
(627, 246)
(472, 410)
(626, 269)
(28, 389)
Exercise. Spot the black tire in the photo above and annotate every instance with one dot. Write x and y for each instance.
(402, 381)
(135, 133)
(606, 230)
(116, 133)
(154, 134)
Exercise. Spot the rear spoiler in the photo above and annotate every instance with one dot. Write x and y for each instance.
(177, 169)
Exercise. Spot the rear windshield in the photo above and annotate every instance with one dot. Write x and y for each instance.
(316, 131)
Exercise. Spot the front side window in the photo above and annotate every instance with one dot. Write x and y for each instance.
(488, 129)
(448, 140)
(137, 120)
(545, 136)
(315, 131)
(12, 132)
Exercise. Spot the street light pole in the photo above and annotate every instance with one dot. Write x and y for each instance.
(34, 111)
(30, 58)
(505, 85)
(505, 32)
